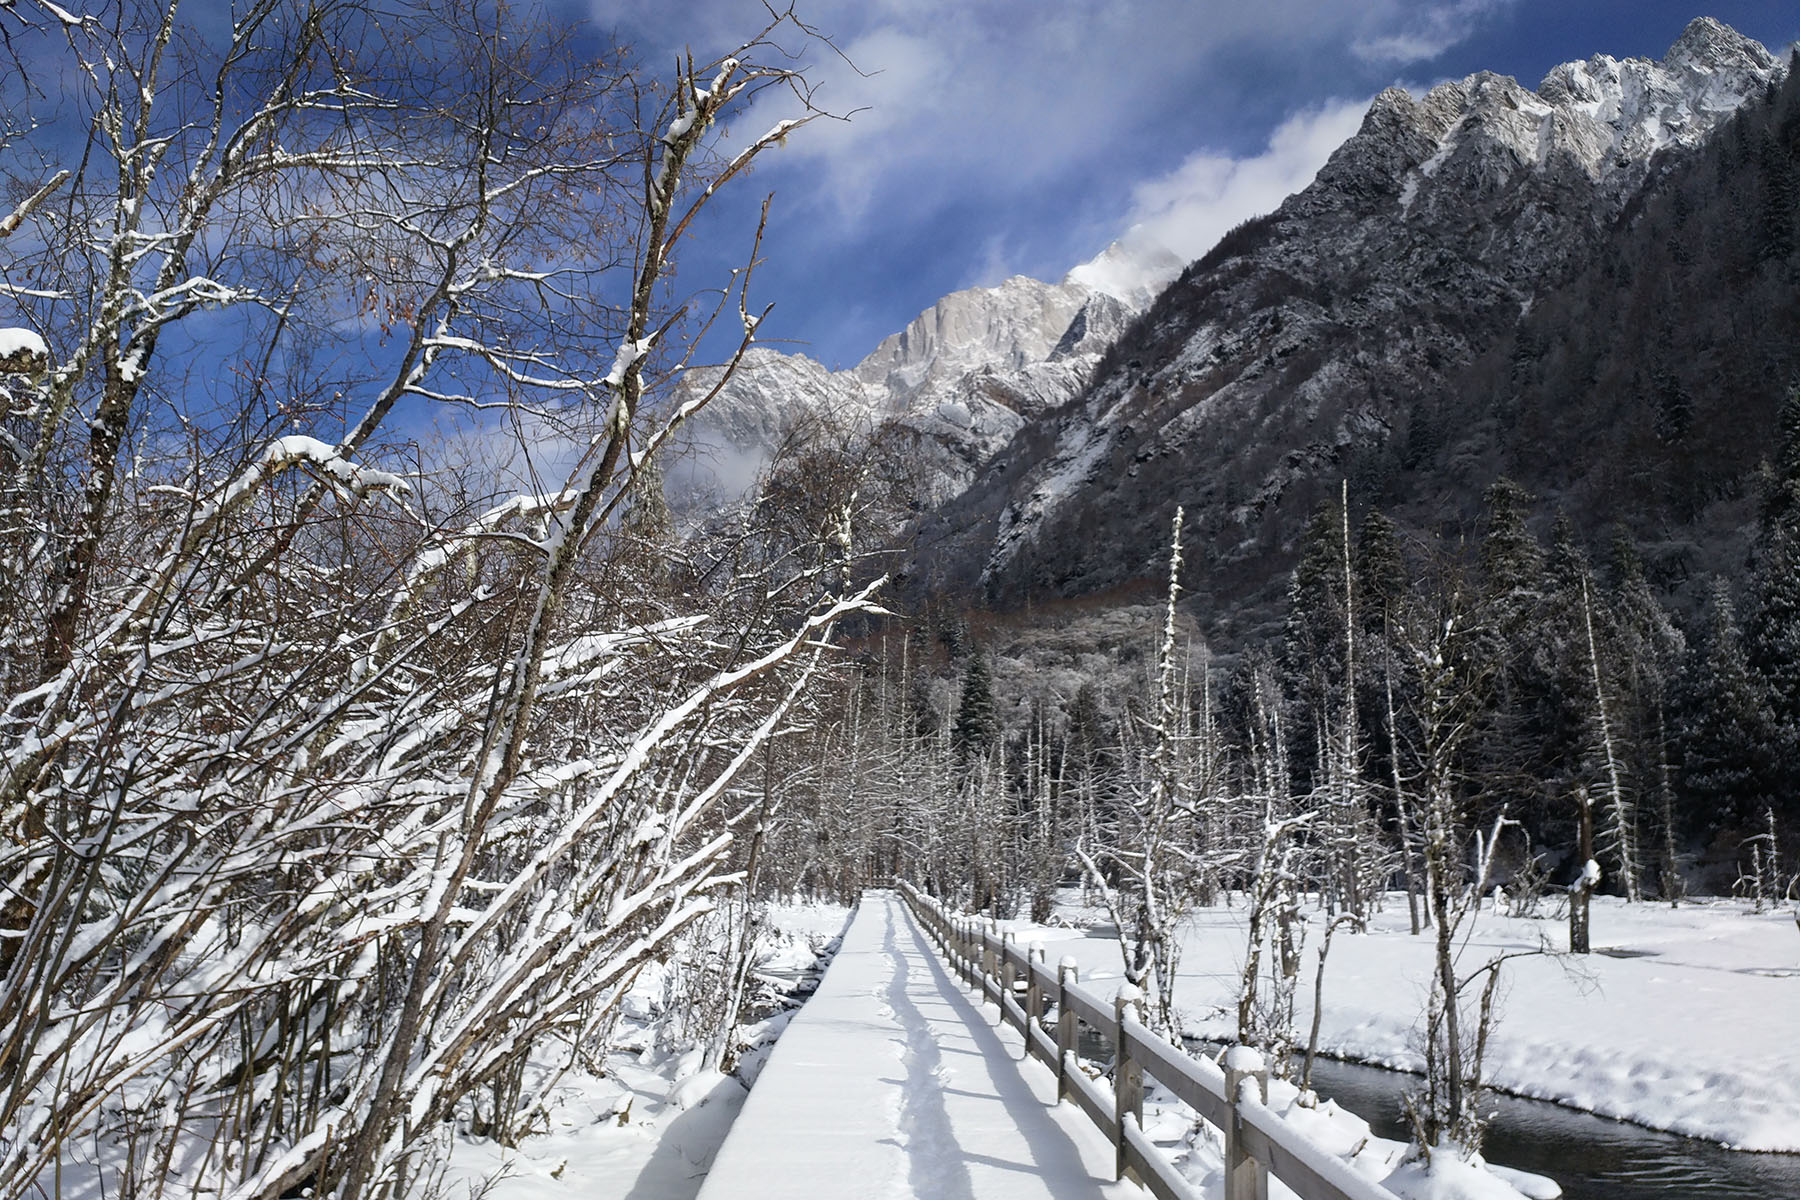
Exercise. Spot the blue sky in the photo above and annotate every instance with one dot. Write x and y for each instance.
(1021, 136)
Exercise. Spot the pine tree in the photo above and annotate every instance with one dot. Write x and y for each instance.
(1557, 676)
(1781, 198)
(1524, 738)
(1729, 731)
(1781, 502)
(1312, 642)
(1312, 646)
(1512, 563)
(1380, 569)
(977, 724)
(1773, 636)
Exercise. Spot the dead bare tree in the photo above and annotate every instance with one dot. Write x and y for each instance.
(1150, 872)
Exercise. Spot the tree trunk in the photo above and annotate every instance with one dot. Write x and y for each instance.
(1583, 887)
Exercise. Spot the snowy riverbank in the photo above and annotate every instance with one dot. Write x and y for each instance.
(1682, 1020)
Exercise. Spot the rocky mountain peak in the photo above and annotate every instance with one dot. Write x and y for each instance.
(1005, 327)
(1708, 46)
(1615, 114)
(953, 387)
(1132, 270)
(1604, 119)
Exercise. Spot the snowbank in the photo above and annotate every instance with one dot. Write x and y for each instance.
(1682, 1020)
(650, 1120)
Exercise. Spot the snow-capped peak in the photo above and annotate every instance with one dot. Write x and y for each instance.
(1612, 115)
(1005, 327)
(1132, 270)
(1708, 46)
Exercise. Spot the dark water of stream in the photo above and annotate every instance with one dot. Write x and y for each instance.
(1593, 1158)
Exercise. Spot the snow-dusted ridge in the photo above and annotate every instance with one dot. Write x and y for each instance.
(1607, 116)
(1464, 200)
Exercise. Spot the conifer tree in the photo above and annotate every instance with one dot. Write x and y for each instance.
(1380, 569)
(1729, 733)
(1312, 644)
(1522, 738)
(1312, 647)
(1773, 637)
(977, 725)
(1512, 563)
(1559, 663)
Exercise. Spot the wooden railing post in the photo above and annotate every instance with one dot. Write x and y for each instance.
(1034, 991)
(1128, 1076)
(1066, 973)
(1245, 1071)
(987, 951)
(1007, 972)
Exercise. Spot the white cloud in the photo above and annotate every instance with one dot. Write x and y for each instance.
(1178, 217)
(955, 98)
(993, 136)
(1424, 33)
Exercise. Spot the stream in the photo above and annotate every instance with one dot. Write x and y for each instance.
(1593, 1158)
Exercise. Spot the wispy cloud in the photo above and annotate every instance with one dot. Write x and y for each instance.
(1176, 218)
(1425, 32)
(954, 99)
(1020, 135)
(995, 264)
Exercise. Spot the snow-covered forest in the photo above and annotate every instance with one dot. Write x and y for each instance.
(371, 725)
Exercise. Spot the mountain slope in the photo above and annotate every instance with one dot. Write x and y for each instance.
(1367, 328)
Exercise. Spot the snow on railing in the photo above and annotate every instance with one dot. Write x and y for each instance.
(1257, 1142)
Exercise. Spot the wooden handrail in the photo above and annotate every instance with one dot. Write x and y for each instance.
(1258, 1143)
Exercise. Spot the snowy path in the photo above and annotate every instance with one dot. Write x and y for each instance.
(891, 1082)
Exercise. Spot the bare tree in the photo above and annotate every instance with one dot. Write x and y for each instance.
(1623, 826)
(1442, 643)
(1153, 853)
(330, 792)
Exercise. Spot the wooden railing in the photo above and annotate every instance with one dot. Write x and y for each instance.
(1258, 1143)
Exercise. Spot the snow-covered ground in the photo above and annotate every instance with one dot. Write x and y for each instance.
(647, 1125)
(894, 1082)
(1683, 1019)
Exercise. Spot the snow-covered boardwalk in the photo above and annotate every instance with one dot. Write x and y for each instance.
(892, 1082)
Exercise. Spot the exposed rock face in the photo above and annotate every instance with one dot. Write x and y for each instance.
(954, 386)
(999, 328)
(1256, 379)
(1390, 323)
